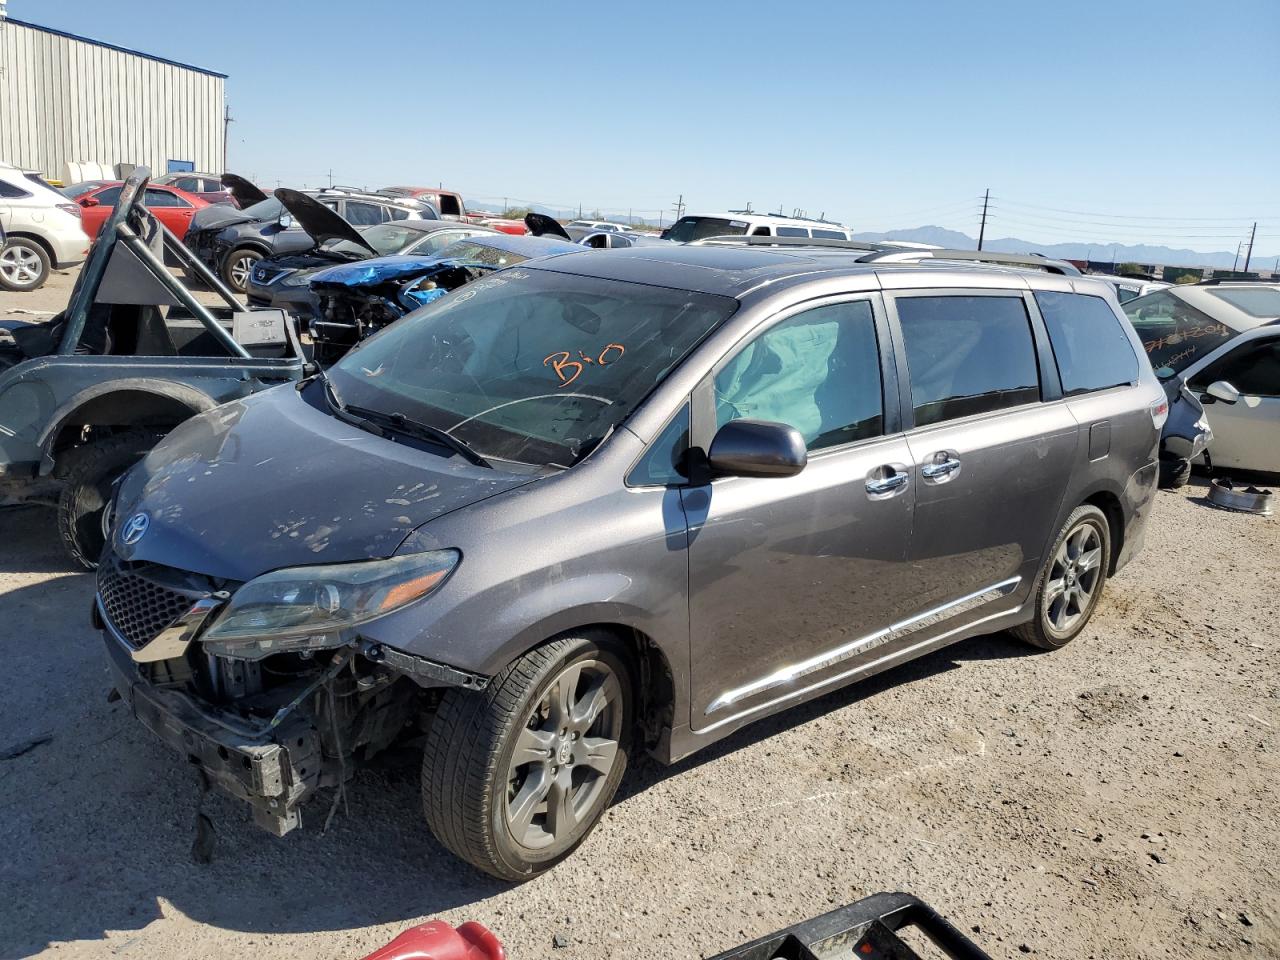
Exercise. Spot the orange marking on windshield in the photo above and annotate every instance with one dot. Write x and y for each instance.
(562, 363)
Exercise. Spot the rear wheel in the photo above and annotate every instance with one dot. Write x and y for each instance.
(23, 265)
(237, 268)
(514, 778)
(83, 518)
(1175, 472)
(1071, 582)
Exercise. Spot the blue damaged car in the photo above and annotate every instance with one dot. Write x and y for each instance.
(355, 300)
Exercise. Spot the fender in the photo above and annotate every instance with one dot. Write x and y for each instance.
(195, 400)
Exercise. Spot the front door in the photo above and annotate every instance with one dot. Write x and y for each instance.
(990, 459)
(1246, 434)
(793, 580)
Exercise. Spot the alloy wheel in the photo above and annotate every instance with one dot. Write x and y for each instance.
(19, 265)
(240, 269)
(564, 754)
(1073, 578)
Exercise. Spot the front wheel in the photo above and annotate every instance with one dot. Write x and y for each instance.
(1071, 582)
(514, 778)
(83, 518)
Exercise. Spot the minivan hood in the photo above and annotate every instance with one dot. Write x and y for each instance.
(318, 220)
(272, 481)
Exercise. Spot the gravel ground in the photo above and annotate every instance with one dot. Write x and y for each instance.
(1113, 799)
(52, 297)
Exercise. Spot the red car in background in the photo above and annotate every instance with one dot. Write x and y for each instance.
(451, 207)
(172, 207)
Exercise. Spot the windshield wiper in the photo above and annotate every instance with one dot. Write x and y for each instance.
(399, 423)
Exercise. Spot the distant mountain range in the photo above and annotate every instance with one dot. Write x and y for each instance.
(1140, 253)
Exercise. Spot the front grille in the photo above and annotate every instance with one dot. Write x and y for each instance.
(141, 599)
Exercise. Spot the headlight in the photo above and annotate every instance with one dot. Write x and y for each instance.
(299, 278)
(303, 601)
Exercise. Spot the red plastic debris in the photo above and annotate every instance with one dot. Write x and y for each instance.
(439, 941)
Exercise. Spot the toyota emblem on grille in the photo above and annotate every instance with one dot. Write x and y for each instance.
(134, 528)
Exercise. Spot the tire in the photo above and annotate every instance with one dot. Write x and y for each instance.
(87, 479)
(1175, 472)
(1066, 584)
(475, 786)
(24, 265)
(239, 263)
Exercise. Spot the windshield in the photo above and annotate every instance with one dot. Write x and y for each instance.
(1259, 302)
(1173, 332)
(76, 189)
(474, 252)
(689, 229)
(528, 365)
(386, 238)
(268, 209)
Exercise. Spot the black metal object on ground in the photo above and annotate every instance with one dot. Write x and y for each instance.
(866, 929)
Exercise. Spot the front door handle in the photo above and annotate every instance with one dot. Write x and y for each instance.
(887, 481)
(939, 468)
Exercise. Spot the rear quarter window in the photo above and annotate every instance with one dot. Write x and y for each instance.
(1090, 345)
(1173, 333)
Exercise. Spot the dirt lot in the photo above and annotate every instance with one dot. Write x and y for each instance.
(1115, 799)
(52, 297)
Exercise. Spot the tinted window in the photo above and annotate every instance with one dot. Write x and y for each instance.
(967, 355)
(187, 183)
(108, 197)
(1252, 368)
(399, 214)
(163, 198)
(449, 205)
(10, 192)
(1173, 332)
(531, 366)
(1255, 301)
(363, 214)
(663, 463)
(792, 232)
(688, 229)
(76, 189)
(1090, 346)
(819, 372)
(830, 234)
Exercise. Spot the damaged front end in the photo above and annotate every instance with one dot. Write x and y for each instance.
(357, 300)
(267, 687)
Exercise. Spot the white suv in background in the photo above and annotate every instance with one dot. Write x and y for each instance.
(41, 227)
(738, 223)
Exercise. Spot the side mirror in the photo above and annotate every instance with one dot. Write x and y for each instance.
(1164, 373)
(286, 221)
(1221, 390)
(89, 201)
(757, 448)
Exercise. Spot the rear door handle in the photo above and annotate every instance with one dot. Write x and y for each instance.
(887, 481)
(942, 466)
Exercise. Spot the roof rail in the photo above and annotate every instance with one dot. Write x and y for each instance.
(1032, 262)
(858, 245)
(1215, 281)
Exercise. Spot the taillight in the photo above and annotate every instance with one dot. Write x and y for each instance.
(71, 208)
(1160, 413)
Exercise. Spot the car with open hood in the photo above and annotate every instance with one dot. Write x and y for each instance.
(283, 281)
(615, 501)
(229, 242)
(357, 300)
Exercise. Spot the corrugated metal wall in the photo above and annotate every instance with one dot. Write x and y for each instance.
(63, 100)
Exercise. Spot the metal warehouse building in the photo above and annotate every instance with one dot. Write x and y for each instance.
(66, 100)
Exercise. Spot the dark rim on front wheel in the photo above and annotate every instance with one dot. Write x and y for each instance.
(564, 754)
(1072, 583)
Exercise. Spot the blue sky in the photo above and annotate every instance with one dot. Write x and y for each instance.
(1154, 122)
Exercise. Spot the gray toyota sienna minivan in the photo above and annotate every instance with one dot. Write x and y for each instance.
(617, 501)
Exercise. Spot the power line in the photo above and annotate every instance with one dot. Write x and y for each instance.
(1117, 216)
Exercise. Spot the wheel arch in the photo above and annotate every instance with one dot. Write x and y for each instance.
(1109, 503)
(134, 402)
(38, 240)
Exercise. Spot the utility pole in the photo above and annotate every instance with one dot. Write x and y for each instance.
(1249, 253)
(227, 120)
(331, 178)
(982, 227)
(1236, 262)
(679, 207)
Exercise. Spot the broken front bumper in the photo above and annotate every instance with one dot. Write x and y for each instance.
(274, 770)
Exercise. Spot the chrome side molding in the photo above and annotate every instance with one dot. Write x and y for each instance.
(896, 631)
